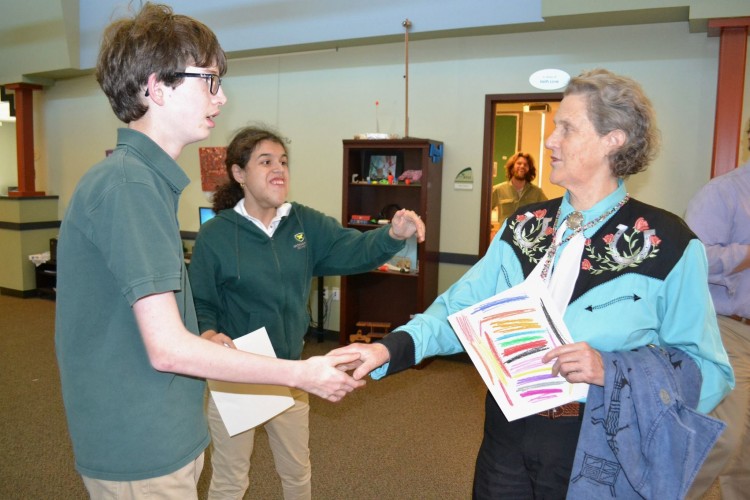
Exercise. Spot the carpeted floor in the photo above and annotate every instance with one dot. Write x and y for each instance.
(414, 435)
(411, 436)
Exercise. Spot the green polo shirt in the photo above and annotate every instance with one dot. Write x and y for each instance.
(120, 241)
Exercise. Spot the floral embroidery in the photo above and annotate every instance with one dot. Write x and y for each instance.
(529, 230)
(641, 244)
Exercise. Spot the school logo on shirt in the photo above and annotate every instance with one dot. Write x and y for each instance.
(300, 239)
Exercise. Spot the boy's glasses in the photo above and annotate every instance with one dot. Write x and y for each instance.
(214, 82)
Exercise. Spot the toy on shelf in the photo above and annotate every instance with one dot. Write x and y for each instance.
(375, 330)
(360, 219)
(397, 265)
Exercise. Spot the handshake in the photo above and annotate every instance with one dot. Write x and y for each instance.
(329, 376)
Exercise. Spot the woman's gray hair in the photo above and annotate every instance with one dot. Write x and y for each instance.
(617, 102)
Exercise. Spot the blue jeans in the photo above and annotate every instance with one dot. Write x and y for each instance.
(529, 458)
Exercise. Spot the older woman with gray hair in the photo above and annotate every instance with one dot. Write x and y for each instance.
(624, 274)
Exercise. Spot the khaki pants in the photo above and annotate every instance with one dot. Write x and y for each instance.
(729, 460)
(288, 436)
(182, 484)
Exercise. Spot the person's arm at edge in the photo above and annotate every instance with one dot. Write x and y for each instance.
(689, 324)
(171, 348)
(745, 263)
(204, 266)
(708, 215)
(202, 273)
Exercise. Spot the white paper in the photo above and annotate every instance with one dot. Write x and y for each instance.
(244, 406)
(506, 337)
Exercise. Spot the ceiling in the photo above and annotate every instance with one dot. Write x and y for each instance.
(59, 39)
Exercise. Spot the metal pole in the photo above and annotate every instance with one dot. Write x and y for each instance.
(406, 24)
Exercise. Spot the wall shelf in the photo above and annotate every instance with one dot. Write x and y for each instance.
(391, 296)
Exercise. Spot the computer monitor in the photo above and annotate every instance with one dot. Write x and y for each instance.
(205, 213)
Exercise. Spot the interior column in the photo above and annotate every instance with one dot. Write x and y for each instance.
(24, 102)
(729, 92)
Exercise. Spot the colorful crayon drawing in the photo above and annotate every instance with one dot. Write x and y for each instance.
(506, 337)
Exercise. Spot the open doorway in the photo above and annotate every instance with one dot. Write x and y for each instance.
(513, 123)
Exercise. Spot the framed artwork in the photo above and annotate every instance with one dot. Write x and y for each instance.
(379, 165)
(213, 172)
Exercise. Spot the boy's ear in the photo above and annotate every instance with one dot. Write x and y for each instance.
(154, 89)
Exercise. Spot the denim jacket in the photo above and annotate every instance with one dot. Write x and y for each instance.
(641, 437)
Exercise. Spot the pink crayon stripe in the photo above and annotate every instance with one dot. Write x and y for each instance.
(537, 392)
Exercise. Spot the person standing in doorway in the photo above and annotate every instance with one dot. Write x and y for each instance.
(518, 190)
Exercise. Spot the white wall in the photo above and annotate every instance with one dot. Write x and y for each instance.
(8, 163)
(318, 99)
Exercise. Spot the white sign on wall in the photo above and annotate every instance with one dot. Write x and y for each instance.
(464, 180)
(549, 79)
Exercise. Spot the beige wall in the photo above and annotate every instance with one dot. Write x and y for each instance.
(17, 273)
(8, 164)
(318, 99)
(37, 36)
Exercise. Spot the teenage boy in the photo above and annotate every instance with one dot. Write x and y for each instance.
(131, 361)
